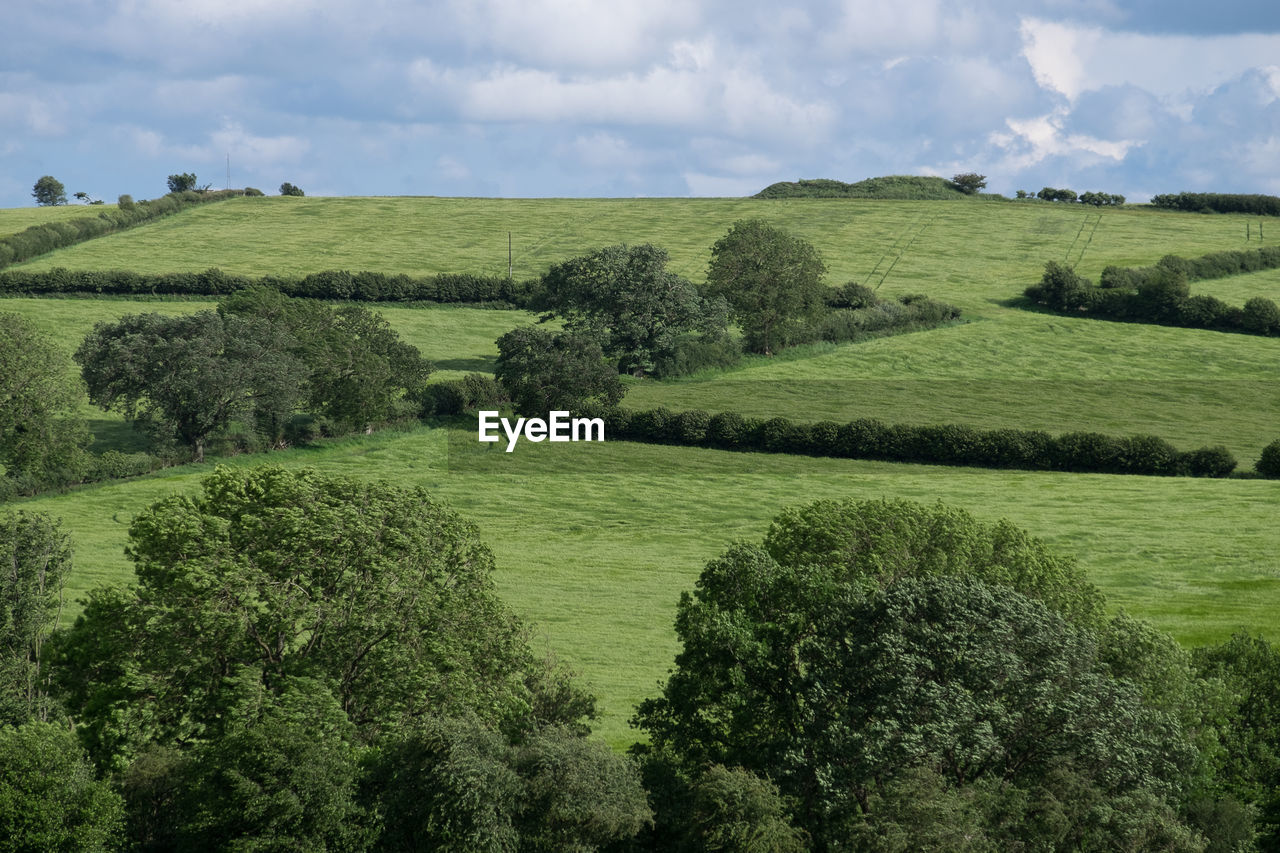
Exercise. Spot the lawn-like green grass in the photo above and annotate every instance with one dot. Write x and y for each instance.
(595, 542)
(15, 219)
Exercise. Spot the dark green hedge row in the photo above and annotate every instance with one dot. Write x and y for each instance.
(1162, 298)
(949, 444)
(331, 284)
(1263, 205)
(48, 236)
(1213, 265)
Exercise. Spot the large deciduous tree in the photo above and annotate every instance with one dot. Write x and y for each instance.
(49, 191)
(625, 298)
(41, 440)
(884, 662)
(770, 278)
(543, 371)
(186, 378)
(35, 558)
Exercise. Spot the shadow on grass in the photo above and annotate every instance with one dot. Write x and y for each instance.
(111, 434)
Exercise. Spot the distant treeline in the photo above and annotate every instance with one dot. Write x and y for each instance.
(1161, 294)
(1261, 205)
(330, 284)
(48, 236)
(946, 444)
(911, 187)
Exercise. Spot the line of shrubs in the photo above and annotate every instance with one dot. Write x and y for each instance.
(1097, 199)
(39, 239)
(1262, 205)
(1212, 265)
(868, 438)
(329, 284)
(1161, 296)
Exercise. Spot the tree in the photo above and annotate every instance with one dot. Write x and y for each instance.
(49, 798)
(182, 183)
(1268, 464)
(625, 298)
(381, 592)
(1261, 316)
(866, 641)
(969, 182)
(42, 440)
(35, 558)
(289, 189)
(770, 279)
(544, 372)
(49, 191)
(186, 378)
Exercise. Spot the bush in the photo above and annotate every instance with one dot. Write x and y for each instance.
(457, 396)
(1214, 461)
(253, 192)
(690, 428)
(727, 430)
(289, 189)
(1268, 464)
(692, 355)
(1261, 316)
(125, 202)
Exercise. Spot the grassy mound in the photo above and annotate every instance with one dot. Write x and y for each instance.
(910, 187)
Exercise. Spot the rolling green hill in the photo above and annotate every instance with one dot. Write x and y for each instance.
(595, 542)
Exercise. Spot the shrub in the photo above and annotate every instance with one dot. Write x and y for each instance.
(1214, 461)
(253, 192)
(125, 202)
(289, 189)
(690, 427)
(727, 430)
(1268, 464)
(1261, 316)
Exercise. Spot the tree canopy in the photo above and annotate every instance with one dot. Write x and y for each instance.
(875, 657)
(770, 279)
(626, 299)
(543, 371)
(49, 191)
(42, 440)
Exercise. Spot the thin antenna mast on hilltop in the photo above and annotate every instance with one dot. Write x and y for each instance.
(228, 185)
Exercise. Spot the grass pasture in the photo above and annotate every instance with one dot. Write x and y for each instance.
(595, 542)
(15, 219)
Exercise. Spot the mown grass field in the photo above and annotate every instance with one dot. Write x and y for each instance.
(595, 542)
(15, 219)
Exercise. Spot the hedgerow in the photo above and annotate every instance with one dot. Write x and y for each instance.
(39, 239)
(937, 444)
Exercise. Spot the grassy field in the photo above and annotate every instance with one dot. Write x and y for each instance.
(595, 542)
(15, 219)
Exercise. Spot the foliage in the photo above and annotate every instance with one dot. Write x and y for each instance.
(1161, 294)
(938, 444)
(770, 278)
(834, 660)
(456, 396)
(49, 191)
(35, 558)
(42, 439)
(329, 284)
(49, 798)
(47, 236)
(289, 189)
(1054, 194)
(1268, 464)
(380, 592)
(181, 183)
(885, 187)
(186, 378)
(455, 784)
(1250, 668)
(542, 371)
(1263, 205)
(969, 182)
(624, 298)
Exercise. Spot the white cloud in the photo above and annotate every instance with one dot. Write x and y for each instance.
(1072, 59)
(720, 186)
(574, 33)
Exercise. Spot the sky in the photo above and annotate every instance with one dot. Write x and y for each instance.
(572, 98)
